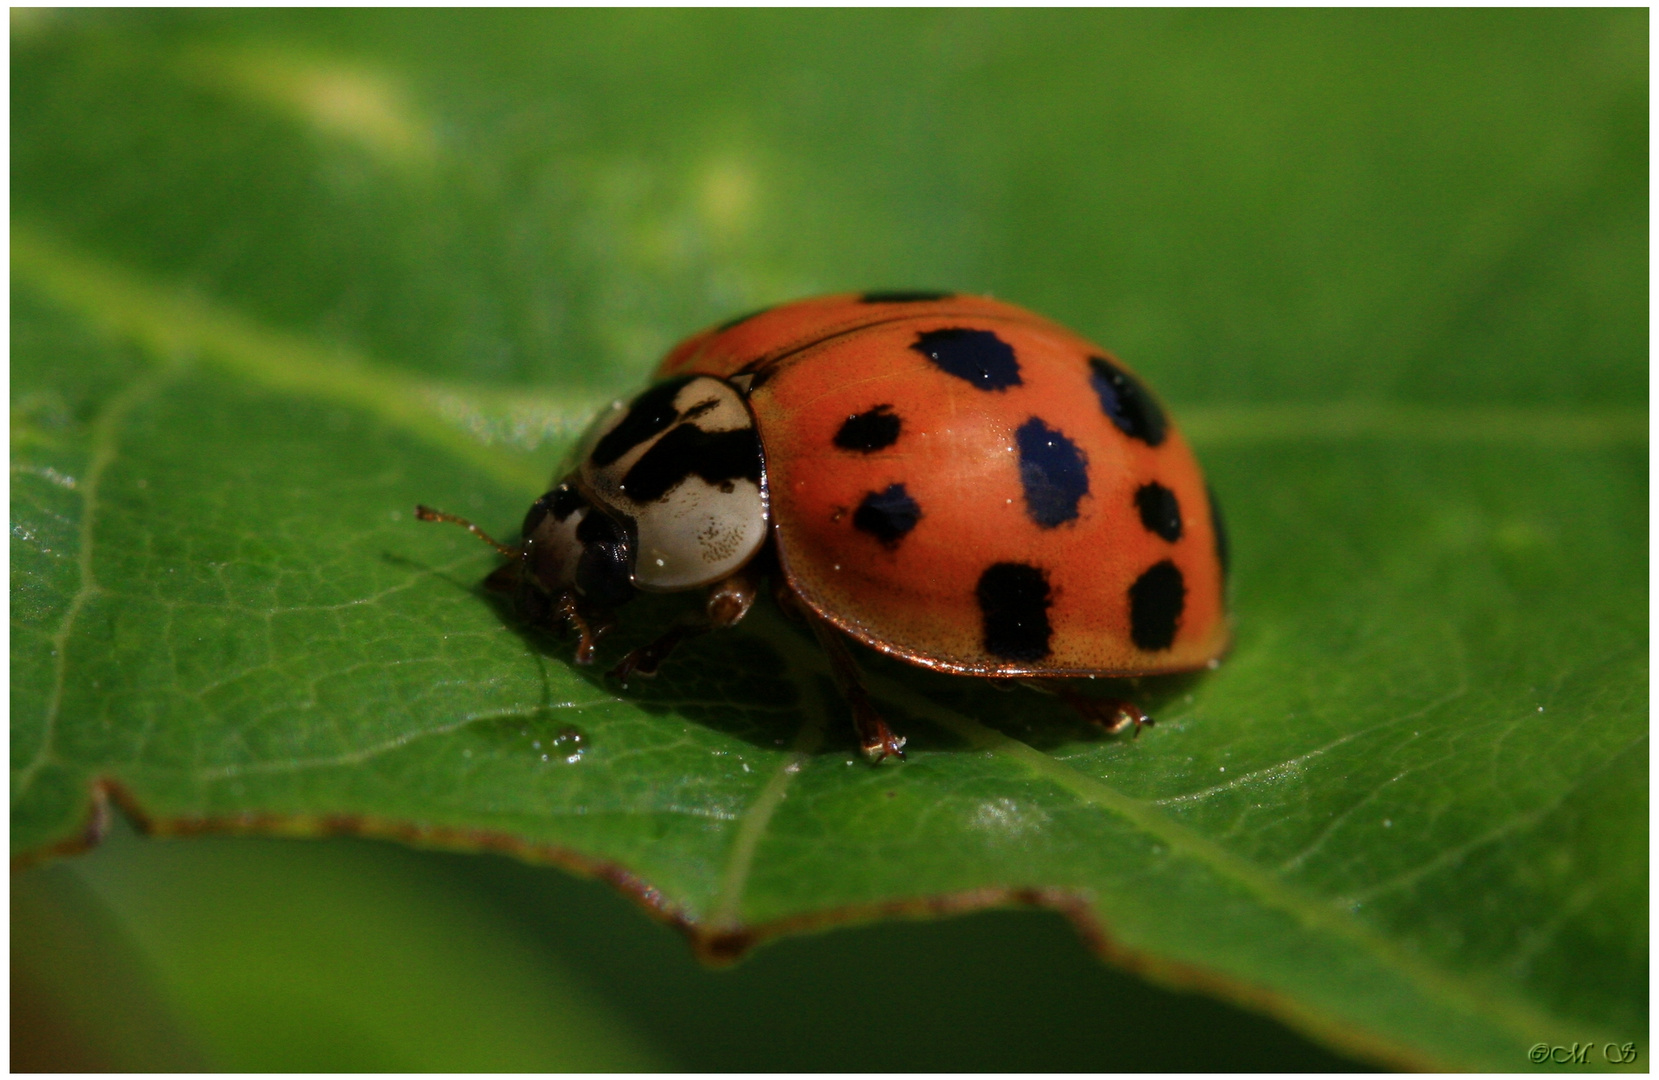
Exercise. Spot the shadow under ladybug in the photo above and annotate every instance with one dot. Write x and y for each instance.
(952, 481)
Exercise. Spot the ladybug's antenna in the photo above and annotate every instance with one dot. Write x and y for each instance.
(426, 513)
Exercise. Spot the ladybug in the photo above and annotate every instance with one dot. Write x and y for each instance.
(948, 479)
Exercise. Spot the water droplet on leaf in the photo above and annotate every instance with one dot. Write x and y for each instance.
(571, 743)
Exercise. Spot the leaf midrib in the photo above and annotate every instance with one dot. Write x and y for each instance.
(725, 912)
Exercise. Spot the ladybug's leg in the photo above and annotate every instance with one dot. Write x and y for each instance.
(646, 659)
(731, 599)
(1111, 715)
(567, 607)
(728, 602)
(590, 625)
(875, 739)
(563, 611)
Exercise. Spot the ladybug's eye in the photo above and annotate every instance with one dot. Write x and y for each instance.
(603, 569)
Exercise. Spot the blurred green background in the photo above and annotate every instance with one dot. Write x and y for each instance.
(1261, 208)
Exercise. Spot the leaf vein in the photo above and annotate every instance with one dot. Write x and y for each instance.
(105, 443)
(359, 755)
(752, 824)
(1453, 855)
(1316, 914)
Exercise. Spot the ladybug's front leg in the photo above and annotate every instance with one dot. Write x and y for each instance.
(561, 612)
(564, 609)
(728, 602)
(590, 625)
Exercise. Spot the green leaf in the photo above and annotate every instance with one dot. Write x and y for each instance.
(277, 278)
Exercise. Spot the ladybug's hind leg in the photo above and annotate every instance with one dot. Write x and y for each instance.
(1111, 715)
(728, 601)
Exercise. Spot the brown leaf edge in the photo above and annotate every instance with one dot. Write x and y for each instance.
(719, 946)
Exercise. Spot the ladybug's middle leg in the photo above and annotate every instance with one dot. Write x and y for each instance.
(728, 602)
(875, 739)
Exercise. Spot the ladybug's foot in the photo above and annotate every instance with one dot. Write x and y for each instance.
(1111, 715)
(876, 740)
(1115, 714)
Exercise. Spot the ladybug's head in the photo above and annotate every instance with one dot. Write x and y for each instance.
(570, 543)
(665, 492)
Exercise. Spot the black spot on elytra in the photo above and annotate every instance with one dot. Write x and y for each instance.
(1013, 602)
(1053, 471)
(1155, 602)
(647, 414)
(903, 296)
(604, 571)
(1126, 402)
(719, 457)
(887, 515)
(1160, 512)
(729, 323)
(870, 430)
(1220, 530)
(977, 356)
